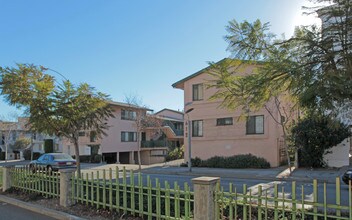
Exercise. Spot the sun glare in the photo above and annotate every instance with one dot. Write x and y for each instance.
(301, 19)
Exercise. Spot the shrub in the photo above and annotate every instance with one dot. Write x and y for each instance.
(175, 154)
(84, 158)
(183, 165)
(314, 136)
(2, 155)
(27, 154)
(96, 158)
(196, 162)
(236, 161)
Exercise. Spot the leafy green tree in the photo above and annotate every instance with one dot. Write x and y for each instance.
(21, 143)
(315, 135)
(60, 109)
(245, 92)
(313, 68)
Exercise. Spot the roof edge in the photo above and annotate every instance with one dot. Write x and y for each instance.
(179, 112)
(122, 104)
(177, 84)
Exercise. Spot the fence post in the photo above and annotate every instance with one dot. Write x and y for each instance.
(204, 194)
(66, 187)
(6, 179)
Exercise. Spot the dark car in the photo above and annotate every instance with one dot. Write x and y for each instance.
(53, 162)
(347, 177)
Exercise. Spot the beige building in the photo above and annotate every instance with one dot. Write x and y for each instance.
(220, 132)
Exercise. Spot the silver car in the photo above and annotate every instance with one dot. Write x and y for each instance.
(53, 162)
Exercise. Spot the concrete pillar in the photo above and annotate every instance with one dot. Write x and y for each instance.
(204, 194)
(66, 187)
(132, 157)
(118, 158)
(6, 179)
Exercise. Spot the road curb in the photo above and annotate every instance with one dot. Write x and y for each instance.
(39, 209)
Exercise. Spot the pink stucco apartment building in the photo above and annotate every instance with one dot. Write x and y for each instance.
(120, 144)
(220, 132)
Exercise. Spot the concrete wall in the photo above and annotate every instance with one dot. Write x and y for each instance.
(340, 155)
(152, 156)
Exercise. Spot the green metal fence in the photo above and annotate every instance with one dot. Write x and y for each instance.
(278, 204)
(40, 181)
(129, 193)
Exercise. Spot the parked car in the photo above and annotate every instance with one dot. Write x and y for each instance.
(347, 176)
(53, 162)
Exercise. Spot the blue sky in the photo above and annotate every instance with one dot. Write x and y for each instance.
(130, 47)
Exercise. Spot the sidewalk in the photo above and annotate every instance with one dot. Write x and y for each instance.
(9, 161)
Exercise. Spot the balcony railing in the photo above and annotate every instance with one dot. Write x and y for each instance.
(156, 143)
(178, 132)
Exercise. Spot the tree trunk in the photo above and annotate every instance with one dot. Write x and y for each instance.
(78, 163)
(286, 148)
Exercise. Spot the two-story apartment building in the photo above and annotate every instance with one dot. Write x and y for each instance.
(120, 145)
(217, 131)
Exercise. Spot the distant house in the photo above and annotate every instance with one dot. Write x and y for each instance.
(10, 131)
(220, 132)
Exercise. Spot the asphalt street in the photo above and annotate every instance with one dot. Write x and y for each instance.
(284, 187)
(11, 212)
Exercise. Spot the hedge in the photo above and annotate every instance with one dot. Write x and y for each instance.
(236, 161)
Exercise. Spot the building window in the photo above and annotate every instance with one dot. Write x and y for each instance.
(255, 124)
(197, 128)
(224, 121)
(93, 136)
(128, 115)
(197, 92)
(81, 134)
(128, 136)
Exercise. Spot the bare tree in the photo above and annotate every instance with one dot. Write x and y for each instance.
(142, 120)
(286, 113)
